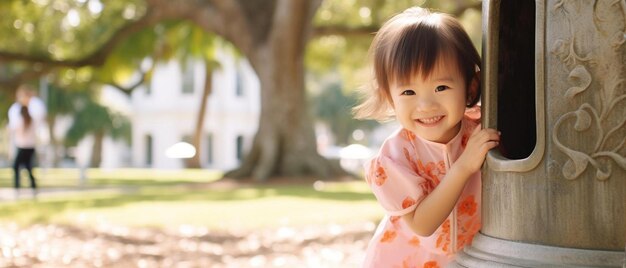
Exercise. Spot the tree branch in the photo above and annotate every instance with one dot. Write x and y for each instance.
(128, 90)
(157, 10)
(26, 75)
(144, 76)
(225, 19)
(98, 57)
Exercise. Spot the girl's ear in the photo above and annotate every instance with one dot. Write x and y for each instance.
(474, 87)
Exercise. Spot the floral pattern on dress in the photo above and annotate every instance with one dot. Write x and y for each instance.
(407, 202)
(468, 206)
(408, 135)
(443, 239)
(379, 176)
(431, 264)
(415, 241)
(388, 237)
(406, 170)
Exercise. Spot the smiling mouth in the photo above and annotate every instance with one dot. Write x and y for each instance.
(430, 121)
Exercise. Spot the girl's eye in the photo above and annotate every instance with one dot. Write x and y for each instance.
(441, 88)
(408, 92)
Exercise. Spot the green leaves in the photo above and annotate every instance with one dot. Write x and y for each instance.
(62, 29)
(91, 117)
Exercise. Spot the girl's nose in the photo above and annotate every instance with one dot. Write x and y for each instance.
(426, 104)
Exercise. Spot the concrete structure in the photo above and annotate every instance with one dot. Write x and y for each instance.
(554, 195)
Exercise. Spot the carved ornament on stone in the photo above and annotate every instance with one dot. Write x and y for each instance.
(602, 60)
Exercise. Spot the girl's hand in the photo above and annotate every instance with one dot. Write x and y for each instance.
(479, 143)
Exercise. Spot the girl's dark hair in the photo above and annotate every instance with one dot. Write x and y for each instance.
(410, 43)
(26, 115)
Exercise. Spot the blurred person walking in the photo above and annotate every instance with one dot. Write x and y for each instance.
(24, 115)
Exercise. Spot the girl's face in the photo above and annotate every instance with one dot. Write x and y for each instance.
(432, 107)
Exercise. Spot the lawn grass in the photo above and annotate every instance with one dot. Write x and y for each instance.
(163, 201)
(70, 177)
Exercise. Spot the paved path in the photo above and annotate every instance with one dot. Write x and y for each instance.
(8, 194)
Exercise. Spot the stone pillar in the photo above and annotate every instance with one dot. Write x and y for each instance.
(554, 77)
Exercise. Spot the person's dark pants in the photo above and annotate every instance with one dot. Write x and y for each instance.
(24, 157)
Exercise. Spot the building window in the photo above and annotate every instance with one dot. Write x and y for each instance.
(238, 82)
(148, 150)
(148, 87)
(188, 138)
(188, 77)
(209, 149)
(239, 148)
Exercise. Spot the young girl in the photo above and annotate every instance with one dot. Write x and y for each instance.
(426, 175)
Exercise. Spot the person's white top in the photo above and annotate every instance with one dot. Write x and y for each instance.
(26, 137)
(36, 109)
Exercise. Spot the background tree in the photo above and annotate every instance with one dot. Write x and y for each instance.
(333, 106)
(271, 34)
(91, 118)
(60, 101)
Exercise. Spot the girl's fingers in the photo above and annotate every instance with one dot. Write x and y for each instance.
(492, 144)
(495, 136)
(486, 138)
(485, 147)
(487, 135)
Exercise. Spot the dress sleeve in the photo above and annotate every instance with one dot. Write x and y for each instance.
(395, 182)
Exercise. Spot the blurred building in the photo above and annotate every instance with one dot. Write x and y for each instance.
(164, 113)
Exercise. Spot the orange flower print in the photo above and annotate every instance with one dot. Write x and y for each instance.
(468, 206)
(408, 135)
(410, 160)
(443, 241)
(436, 170)
(467, 230)
(407, 202)
(394, 219)
(379, 175)
(388, 236)
(427, 186)
(441, 167)
(432, 171)
(470, 224)
(431, 264)
(414, 241)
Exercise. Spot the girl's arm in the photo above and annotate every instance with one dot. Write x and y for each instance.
(436, 207)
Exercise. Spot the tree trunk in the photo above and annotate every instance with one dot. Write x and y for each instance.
(194, 162)
(96, 152)
(272, 34)
(285, 143)
(54, 143)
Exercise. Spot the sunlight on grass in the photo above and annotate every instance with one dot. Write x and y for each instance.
(351, 186)
(244, 207)
(228, 215)
(70, 177)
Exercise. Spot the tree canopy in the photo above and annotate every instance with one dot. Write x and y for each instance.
(108, 41)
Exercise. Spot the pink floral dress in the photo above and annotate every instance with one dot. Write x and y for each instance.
(404, 172)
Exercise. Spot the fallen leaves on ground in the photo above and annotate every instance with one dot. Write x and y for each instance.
(183, 246)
